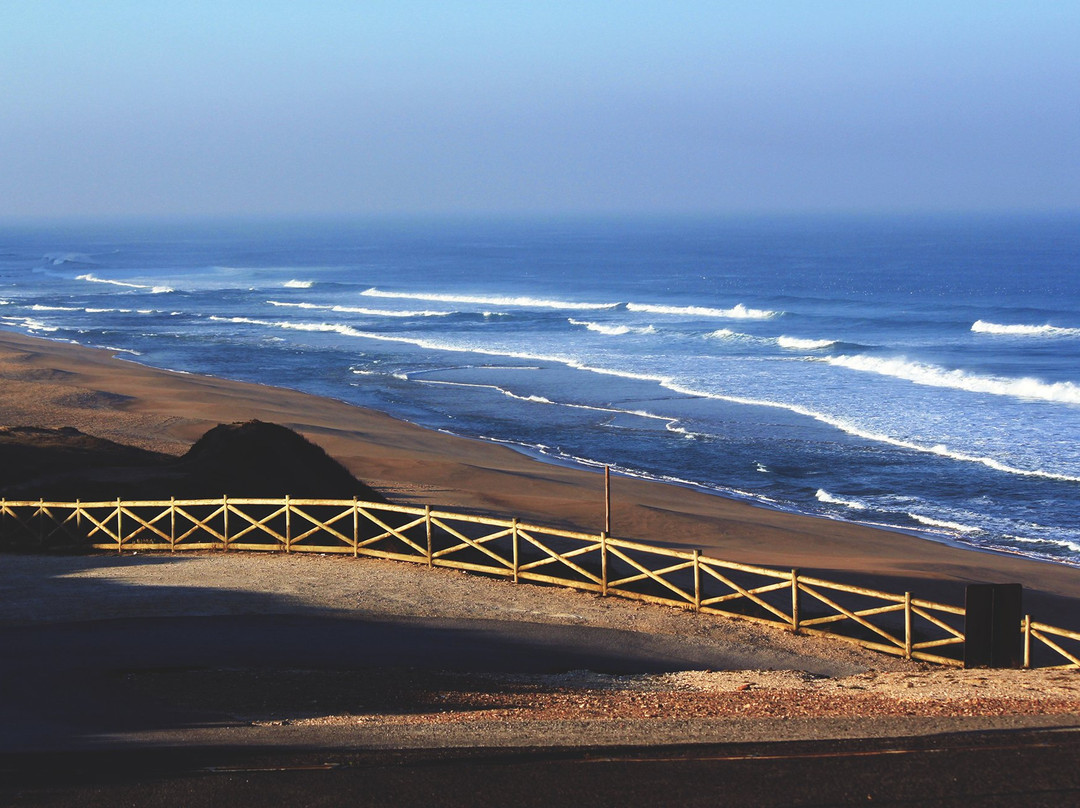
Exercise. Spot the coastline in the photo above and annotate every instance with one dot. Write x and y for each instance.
(54, 384)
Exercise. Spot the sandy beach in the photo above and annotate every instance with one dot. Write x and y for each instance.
(51, 384)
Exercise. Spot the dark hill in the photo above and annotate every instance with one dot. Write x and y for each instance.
(251, 459)
(257, 459)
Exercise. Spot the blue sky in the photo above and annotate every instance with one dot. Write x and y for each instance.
(249, 108)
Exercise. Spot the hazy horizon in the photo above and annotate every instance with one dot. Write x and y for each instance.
(265, 110)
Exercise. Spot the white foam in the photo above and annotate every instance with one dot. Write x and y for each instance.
(91, 278)
(485, 300)
(736, 312)
(669, 423)
(30, 324)
(983, 327)
(824, 496)
(934, 376)
(612, 330)
(669, 384)
(295, 284)
(334, 328)
(532, 399)
(944, 525)
(39, 307)
(360, 310)
(798, 344)
(121, 350)
(1068, 545)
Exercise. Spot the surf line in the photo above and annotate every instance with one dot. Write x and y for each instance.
(669, 384)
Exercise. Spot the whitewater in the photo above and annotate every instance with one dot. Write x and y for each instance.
(917, 374)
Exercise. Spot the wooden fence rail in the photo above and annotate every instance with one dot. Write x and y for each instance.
(894, 624)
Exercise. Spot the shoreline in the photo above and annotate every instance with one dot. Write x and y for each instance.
(592, 467)
(49, 383)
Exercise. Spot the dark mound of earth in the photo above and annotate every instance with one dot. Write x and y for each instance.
(251, 459)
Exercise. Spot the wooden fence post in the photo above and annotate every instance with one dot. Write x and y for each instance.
(907, 625)
(607, 499)
(514, 533)
(603, 563)
(1027, 641)
(697, 580)
(225, 527)
(172, 524)
(288, 525)
(427, 528)
(795, 601)
(41, 522)
(355, 528)
(119, 528)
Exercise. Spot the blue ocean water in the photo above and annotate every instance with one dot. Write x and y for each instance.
(917, 373)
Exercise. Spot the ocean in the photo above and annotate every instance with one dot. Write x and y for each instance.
(917, 373)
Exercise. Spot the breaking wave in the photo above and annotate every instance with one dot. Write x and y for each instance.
(612, 330)
(797, 344)
(360, 310)
(824, 496)
(487, 300)
(983, 327)
(727, 333)
(736, 312)
(934, 376)
(944, 525)
(94, 279)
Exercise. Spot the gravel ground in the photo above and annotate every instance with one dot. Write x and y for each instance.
(771, 682)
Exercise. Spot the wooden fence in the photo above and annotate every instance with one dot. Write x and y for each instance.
(894, 624)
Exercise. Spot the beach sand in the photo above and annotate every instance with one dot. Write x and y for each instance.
(52, 384)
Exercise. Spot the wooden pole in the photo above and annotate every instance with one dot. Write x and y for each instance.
(1027, 641)
(907, 625)
(603, 563)
(225, 528)
(172, 523)
(288, 525)
(607, 500)
(697, 580)
(427, 526)
(355, 528)
(795, 601)
(516, 563)
(119, 525)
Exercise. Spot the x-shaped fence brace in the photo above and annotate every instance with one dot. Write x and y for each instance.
(522, 552)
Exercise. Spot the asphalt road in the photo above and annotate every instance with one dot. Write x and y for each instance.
(1028, 768)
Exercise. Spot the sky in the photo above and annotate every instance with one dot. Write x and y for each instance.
(177, 109)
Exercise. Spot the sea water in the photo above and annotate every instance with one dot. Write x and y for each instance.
(917, 373)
